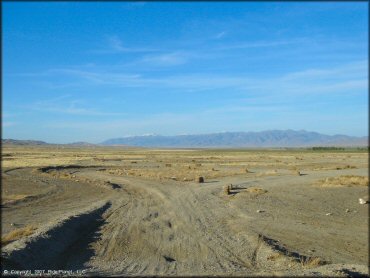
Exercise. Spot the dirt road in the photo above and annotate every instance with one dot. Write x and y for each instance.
(109, 224)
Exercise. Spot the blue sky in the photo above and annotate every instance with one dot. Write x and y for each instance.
(92, 71)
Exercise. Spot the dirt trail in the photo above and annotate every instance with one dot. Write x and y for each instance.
(165, 233)
(55, 198)
(176, 228)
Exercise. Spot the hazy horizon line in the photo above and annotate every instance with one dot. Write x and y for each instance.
(187, 134)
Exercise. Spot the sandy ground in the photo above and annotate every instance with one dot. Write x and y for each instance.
(116, 211)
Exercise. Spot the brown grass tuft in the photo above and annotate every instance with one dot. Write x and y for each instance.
(271, 172)
(311, 262)
(256, 190)
(17, 234)
(348, 180)
(346, 167)
(274, 256)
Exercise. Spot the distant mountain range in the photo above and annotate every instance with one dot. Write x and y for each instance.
(22, 142)
(263, 139)
(270, 138)
(39, 143)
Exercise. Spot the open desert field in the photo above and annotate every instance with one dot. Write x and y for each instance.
(126, 211)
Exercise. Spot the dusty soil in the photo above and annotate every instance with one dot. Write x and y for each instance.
(116, 211)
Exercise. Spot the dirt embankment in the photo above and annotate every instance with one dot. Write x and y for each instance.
(50, 246)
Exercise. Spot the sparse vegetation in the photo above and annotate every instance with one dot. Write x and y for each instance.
(8, 199)
(257, 202)
(17, 234)
(256, 190)
(274, 256)
(308, 262)
(346, 167)
(347, 180)
(327, 149)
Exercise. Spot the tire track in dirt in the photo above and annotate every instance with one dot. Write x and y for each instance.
(167, 228)
(135, 232)
(59, 198)
(211, 228)
(194, 250)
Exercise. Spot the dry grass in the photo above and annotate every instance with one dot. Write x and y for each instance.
(256, 190)
(311, 262)
(183, 164)
(341, 181)
(268, 173)
(274, 256)
(346, 167)
(8, 199)
(17, 234)
(180, 171)
(251, 192)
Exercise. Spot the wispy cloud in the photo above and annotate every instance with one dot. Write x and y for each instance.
(356, 69)
(115, 45)
(166, 59)
(259, 44)
(220, 35)
(345, 77)
(65, 105)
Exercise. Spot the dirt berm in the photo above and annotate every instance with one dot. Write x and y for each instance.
(51, 246)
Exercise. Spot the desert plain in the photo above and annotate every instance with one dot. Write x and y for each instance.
(136, 212)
